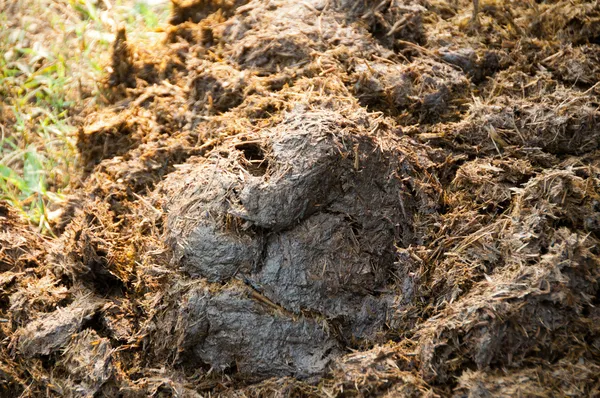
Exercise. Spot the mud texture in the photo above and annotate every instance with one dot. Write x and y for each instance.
(325, 198)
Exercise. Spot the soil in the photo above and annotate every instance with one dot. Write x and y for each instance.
(326, 198)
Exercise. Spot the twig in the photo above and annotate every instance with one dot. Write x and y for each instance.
(475, 18)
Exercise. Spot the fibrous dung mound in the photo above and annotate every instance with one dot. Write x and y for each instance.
(326, 198)
(305, 214)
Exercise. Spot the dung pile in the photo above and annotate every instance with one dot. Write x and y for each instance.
(326, 198)
(294, 214)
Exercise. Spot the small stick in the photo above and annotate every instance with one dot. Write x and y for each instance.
(475, 12)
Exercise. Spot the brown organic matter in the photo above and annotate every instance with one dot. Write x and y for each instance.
(326, 198)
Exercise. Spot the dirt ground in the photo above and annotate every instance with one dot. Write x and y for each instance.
(326, 198)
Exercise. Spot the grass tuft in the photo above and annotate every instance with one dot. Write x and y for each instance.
(53, 54)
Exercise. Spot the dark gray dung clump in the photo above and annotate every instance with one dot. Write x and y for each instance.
(306, 216)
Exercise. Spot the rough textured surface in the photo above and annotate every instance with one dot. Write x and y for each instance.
(89, 361)
(236, 329)
(260, 344)
(307, 216)
(326, 198)
(53, 331)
